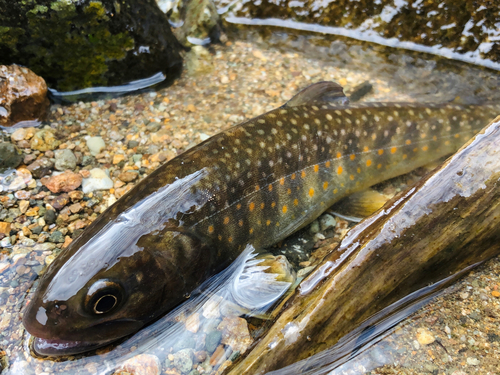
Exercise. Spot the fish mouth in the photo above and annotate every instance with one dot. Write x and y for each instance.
(56, 347)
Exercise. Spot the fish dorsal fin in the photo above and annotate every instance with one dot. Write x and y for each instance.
(320, 93)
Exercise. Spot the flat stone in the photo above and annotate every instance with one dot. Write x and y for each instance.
(66, 181)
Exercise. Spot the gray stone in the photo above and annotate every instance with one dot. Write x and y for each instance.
(10, 156)
(183, 360)
(212, 340)
(65, 159)
(56, 237)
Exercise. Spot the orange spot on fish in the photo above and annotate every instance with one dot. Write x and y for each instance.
(282, 181)
(335, 191)
(425, 148)
(303, 174)
(415, 149)
(358, 170)
(262, 205)
(251, 230)
(257, 187)
(230, 239)
(273, 204)
(270, 187)
(380, 152)
(210, 229)
(351, 177)
(289, 191)
(240, 223)
(251, 206)
(339, 155)
(368, 162)
(268, 222)
(284, 209)
(296, 202)
(365, 149)
(219, 237)
(435, 138)
(226, 220)
(339, 170)
(311, 192)
(393, 150)
(379, 166)
(352, 156)
(293, 176)
(238, 206)
(325, 185)
(408, 142)
(316, 168)
(457, 135)
(405, 156)
(327, 164)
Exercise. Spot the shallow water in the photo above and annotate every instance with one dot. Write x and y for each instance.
(276, 60)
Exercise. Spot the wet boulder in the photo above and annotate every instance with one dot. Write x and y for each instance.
(88, 43)
(23, 95)
(467, 27)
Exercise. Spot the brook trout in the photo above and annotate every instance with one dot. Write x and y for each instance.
(445, 224)
(254, 183)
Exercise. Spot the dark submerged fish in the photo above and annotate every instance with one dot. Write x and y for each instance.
(445, 224)
(254, 183)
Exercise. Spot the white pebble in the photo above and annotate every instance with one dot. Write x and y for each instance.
(95, 145)
(98, 180)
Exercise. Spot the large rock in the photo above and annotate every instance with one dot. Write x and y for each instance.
(23, 94)
(463, 26)
(78, 44)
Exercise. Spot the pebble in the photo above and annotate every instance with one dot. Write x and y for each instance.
(128, 176)
(212, 340)
(44, 140)
(41, 167)
(98, 180)
(327, 221)
(95, 145)
(4, 227)
(66, 181)
(183, 360)
(472, 361)
(22, 133)
(23, 206)
(235, 333)
(56, 237)
(424, 336)
(314, 228)
(142, 364)
(211, 308)
(65, 159)
(10, 156)
(193, 323)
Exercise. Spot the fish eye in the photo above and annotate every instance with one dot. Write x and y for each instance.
(103, 296)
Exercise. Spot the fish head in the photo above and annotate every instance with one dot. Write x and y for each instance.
(98, 291)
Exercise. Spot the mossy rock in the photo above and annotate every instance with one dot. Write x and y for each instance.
(78, 44)
(462, 26)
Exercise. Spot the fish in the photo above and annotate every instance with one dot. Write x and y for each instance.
(252, 184)
(421, 240)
